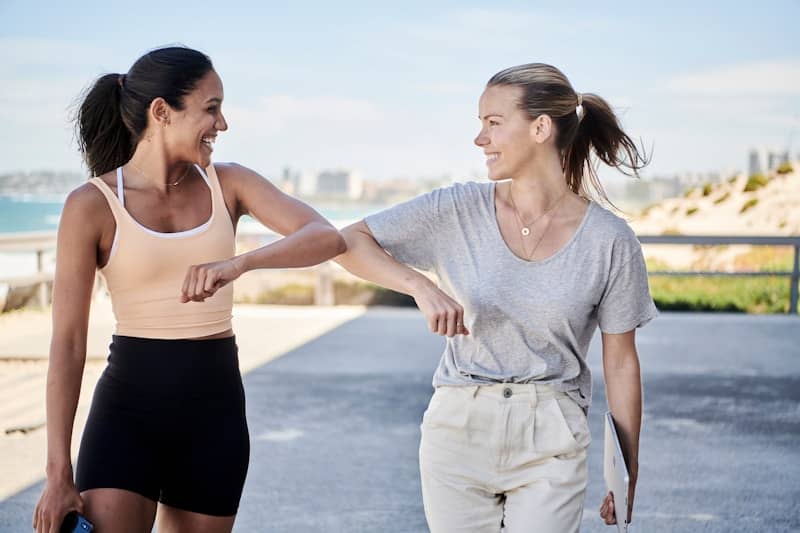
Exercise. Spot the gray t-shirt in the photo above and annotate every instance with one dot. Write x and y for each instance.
(528, 321)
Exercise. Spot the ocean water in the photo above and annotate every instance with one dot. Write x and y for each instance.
(20, 214)
(23, 214)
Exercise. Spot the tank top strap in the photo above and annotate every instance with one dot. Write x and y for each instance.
(210, 175)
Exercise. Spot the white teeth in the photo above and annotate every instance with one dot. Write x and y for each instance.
(492, 157)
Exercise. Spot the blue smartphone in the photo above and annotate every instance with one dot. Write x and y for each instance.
(75, 522)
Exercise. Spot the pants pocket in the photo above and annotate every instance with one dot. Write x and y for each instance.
(447, 409)
(560, 427)
(576, 419)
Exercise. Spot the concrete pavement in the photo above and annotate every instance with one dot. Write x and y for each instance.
(334, 425)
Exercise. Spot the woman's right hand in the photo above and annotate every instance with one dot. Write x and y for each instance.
(60, 496)
(444, 315)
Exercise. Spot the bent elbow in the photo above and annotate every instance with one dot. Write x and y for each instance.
(338, 242)
(341, 245)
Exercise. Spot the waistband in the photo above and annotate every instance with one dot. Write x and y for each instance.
(134, 359)
(508, 392)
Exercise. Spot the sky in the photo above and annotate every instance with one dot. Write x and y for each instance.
(390, 89)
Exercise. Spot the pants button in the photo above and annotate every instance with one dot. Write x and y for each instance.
(507, 392)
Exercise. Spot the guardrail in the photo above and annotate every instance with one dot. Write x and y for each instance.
(793, 275)
(41, 242)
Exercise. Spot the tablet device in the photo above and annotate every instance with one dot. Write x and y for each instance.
(615, 472)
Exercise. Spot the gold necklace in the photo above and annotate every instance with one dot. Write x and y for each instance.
(173, 184)
(525, 228)
(528, 256)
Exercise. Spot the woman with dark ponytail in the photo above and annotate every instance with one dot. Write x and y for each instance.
(529, 266)
(166, 436)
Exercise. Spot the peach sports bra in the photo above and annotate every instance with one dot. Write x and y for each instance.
(145, 272)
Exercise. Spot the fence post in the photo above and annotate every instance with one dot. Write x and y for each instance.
(795, 279)
(43, 299)
(324, 293)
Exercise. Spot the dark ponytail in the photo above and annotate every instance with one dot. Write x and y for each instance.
(112, 117)
(103, 139)
(583, 123)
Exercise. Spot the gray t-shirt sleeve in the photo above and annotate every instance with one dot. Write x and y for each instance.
(409, 231)
(626, 303)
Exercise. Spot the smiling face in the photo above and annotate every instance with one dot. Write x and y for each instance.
(191, 132)
(508, 137)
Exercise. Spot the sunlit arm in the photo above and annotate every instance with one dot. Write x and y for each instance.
(624, 395)
(76, 262)
(312, 244)
(309, 238)
(366, 259)
(74, 279)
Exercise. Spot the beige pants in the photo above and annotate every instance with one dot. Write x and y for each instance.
(504, 455)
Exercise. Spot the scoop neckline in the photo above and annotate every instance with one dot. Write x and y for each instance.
(507, 248)
(170, 234)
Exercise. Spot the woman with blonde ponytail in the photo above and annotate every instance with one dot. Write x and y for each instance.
(529, 265)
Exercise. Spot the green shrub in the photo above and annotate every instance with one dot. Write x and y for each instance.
(733, 179)
(707, 189)
(722, 198)
(755, 182)
(744, 295)
(749, 204)
(692, 210)
(689, 193)
(784, 168)
(671, 231)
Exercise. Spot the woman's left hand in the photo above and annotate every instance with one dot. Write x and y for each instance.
(607, 508)
(202, 281)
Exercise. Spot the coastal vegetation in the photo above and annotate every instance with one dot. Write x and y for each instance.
(755, 182)
(765, 294)
(722, 198)
(749, 204)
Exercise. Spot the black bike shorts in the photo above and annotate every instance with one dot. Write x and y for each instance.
(167, 421)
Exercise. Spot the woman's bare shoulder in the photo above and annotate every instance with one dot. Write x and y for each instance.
(87, 205)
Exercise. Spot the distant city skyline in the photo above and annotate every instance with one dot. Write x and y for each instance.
(392, 91)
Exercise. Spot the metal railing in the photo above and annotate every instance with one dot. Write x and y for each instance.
(793, 275)
(41, 242)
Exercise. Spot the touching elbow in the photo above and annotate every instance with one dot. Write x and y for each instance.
(341, 244)
(338, 242)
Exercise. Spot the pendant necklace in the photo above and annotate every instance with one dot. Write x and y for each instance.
(525, 228)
